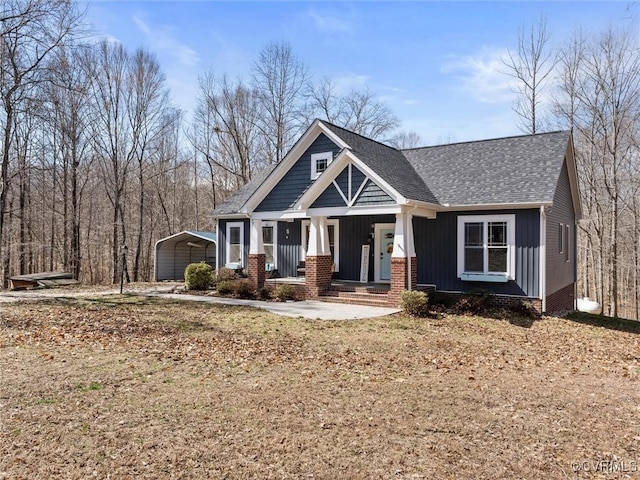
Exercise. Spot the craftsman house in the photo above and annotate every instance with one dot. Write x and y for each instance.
(342, 212)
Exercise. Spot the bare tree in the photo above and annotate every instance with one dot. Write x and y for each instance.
(531, 66)
(358, 110)
(234, 112)
(30, 31)
(406, 140)
(279, 78)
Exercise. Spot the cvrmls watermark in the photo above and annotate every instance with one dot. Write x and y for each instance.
(606, 466)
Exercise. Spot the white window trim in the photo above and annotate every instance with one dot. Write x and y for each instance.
(275, 241)
(336, 240)
(511, 248)
(328, 156)
(227, 242)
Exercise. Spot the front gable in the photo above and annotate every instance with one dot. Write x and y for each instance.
(350, 188)
(297, 179)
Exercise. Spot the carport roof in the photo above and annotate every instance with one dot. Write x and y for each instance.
(177, 237)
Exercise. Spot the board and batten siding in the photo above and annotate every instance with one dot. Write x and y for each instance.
(437, 250)
(561, 213)
(222, 240)
(296, 181)
(354, 232)
(289, 247)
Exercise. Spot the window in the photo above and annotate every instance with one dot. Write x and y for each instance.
(486, 248)
(235, 235)
(319, 163)
(560, 238)
(269, 241)
(333, 227)
(566, 244)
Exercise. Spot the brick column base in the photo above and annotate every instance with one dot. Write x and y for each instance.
(255, 269)
(317, 275)
(399, 280)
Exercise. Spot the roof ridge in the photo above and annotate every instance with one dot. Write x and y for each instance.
(358, 134)
(508, 137)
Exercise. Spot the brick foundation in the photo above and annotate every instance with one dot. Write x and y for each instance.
(498, 301)
(399, 281)
(562, 300)
(256, 270)
(317, 275)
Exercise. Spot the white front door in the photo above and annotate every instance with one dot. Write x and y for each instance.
(383, 247)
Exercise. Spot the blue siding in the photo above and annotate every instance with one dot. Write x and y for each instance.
(372, 194)
(560, 273)
(222, 243)
(354, 232)
(297, 179)
(343, 180)
(289, 241)
(329, 198)
(436, 250)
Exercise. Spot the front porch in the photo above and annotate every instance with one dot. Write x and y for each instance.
(346, 291)
(375, 253)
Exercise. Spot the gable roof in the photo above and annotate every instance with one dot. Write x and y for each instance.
(511, 170)
(504, 171)
(233, 204)
(387, 162)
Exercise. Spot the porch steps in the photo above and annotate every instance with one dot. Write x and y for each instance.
(357, 295)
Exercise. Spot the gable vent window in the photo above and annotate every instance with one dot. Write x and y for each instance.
(319, 163)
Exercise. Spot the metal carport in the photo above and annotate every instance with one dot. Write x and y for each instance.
(175, 252)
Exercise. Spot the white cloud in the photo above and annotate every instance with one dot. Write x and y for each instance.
(163, 41)
(330, 24)
(482, 75)
(346, 82)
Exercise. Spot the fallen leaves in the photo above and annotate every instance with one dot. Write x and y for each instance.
(173, 390)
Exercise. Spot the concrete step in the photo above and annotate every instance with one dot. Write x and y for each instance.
(355, 298)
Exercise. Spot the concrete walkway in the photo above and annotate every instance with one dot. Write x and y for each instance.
(308, 309)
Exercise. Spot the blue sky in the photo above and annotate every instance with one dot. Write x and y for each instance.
(436, 64)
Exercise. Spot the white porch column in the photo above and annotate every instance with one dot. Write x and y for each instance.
(255, 237)
(318, 237)
(403, 243)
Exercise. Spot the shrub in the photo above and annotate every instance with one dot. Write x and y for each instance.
(414, 303)
(524, 309)
(475, 303)
(226, 287)
(225, 274)
(264, 293)
(286, 292)
(198, 276)
(244, 289)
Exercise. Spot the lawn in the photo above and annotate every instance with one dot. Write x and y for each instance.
(130, 387)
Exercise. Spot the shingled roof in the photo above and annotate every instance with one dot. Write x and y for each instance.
(234, 203)
(510, 170)
(523, 169)
(387, 162)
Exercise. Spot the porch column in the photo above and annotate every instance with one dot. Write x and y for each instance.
(404, 266)
(318, 260)
(255, 267)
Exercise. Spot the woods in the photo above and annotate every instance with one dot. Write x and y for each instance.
(95, 155)
(591, 86)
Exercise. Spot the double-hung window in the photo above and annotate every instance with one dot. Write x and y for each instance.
(269, 240)
(486, 248)
(235, 253)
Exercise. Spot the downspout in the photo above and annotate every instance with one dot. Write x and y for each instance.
(543, 258)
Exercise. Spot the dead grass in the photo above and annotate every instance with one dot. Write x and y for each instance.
(131, 387)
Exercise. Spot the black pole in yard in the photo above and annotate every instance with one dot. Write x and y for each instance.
(124, 250)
